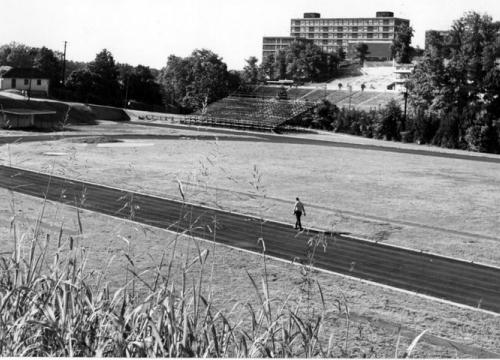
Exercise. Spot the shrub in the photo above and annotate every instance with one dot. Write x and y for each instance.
(388, 122)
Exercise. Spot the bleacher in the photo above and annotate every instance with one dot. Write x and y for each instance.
(298, 93)
(257, 107)
(249, 113)
(382, 99)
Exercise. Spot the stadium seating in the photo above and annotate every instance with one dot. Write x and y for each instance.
(249, 113)
(257, 107)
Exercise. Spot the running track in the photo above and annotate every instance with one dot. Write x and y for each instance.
(458, 281)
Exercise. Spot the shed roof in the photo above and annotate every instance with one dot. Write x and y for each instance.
(29, 73)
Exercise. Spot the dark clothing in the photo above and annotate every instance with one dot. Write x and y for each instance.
(298, 224)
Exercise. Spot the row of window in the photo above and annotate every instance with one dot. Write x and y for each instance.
(344, 22)
(333, 48)
(343, 29)
(346, 36)
(26, 82)
(272, 47)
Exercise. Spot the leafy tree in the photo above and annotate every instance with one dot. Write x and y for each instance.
(267, 68)
(250, 73)
(17, 55)
(389, 121)
(341, 54)
(80, 83)
(458, 83)
(139, 84)
(98, 82)
(280, 65)
(400, 48)
(198, 79)
(49, 64)
(361, 52)
(300, 62)
(436, 45)
(106, 89)
(233, 80)
(325, 115)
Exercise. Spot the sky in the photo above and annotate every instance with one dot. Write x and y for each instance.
(148, 31)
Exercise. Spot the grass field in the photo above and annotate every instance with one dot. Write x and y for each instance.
(375, 313)
(421, 202)
(447, 206)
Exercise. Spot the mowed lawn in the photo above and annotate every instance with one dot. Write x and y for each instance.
(449, 206)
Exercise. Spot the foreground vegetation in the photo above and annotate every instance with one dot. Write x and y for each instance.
(52, 305)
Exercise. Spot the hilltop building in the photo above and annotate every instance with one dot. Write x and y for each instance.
(333, 33)
(272, 44)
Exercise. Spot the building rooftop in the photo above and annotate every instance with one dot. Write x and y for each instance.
(28, 73)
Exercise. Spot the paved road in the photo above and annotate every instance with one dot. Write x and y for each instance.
(461, 282)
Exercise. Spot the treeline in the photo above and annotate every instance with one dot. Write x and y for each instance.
(193, 82)
(453, 95)
(387, 123)
(454, 92)
(102, 81)
(300, 62)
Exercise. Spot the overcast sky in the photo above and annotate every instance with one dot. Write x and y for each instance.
(148, 31)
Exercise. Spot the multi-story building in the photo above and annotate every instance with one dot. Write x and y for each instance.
(430, 35)
(272, 44)
(334, 33)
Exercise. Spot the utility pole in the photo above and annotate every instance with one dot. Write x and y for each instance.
(64, 64)
(350, 95)
(405, 95)
(126, 91)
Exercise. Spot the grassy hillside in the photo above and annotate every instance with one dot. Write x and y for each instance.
(78, 113)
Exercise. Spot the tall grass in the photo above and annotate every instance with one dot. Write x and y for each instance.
(51, 304)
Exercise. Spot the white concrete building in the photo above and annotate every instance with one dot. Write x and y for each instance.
(24, 79)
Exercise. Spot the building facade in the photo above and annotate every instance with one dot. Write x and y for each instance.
(333, 33)
(272, 44)
(432, 35)
(24, 79)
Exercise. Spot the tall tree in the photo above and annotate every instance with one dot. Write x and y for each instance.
(300, 62)
(139, 84)
(460, 86)
(198, 79)
(106, 89)
(17, 55)
(341, 54)
(361, 52)
(50, 65)
(80, 83)
(250, 74)
(401, 44)
(267, 69)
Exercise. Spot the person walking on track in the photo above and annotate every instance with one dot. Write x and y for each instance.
(298, 210)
